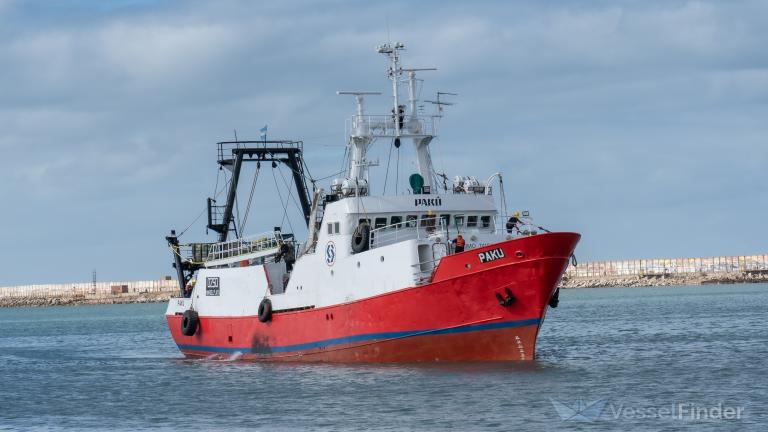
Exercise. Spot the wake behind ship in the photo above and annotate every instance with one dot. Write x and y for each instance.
(436, 273)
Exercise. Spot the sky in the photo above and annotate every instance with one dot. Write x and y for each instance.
(642, 125)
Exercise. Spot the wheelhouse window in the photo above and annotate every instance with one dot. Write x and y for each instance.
(410, 221)
(471, 221)
(425, 219)
(333, 228)
(397, 221)
(380, 222)
(458, 220)
(485, 221)
(364, 221)
(446, 219)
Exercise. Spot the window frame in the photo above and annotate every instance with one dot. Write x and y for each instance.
(485, 221)
(472, 221)
(411, 221)
(377, 220)
(446, 218)
(458, 220)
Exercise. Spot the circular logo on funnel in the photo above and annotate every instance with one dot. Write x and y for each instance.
(330, 253)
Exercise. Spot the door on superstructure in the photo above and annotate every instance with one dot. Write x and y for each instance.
(276, 275)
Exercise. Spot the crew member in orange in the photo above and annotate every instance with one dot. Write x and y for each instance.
(458, 244)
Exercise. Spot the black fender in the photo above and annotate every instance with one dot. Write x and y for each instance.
(189, 322)
(361, 238)
(265, 310)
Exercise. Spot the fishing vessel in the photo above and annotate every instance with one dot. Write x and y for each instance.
(435, 270)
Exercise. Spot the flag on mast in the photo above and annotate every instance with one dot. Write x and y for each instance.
(263, 134)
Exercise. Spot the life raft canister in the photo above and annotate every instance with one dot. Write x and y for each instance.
(361, 238)
(265, 310)
(189, 322)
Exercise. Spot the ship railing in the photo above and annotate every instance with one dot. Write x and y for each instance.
(226, 148)
(386, 125)
(525, 228)
(415, 229)
(264, 243)
(196, 253)
(423, 271)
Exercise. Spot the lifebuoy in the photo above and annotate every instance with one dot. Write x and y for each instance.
(265, 310)
(361, 238)
(189, 322)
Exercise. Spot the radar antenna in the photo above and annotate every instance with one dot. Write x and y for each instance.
(441, 103)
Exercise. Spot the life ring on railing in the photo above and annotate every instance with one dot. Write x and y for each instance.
(265, 310)
(189, 322)
(361, 238)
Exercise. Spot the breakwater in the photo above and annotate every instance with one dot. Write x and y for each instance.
(667, 272)
(88, 293)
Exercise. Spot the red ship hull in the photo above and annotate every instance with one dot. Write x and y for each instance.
(456, 317)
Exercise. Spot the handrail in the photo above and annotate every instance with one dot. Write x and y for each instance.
(384, 125)
(406, 230)
(241, 246)
(524, 228)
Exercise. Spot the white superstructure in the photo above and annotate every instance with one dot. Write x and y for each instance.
(359, 245)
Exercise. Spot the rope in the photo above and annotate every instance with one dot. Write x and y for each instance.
(250, 199)
(176, 252)
(284, 204)
(397, 171)
(386, 176)
(216, 195)
(329, 176)
(290, 190)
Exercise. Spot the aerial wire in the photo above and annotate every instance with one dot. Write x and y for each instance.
(250, 199)
(283, 203)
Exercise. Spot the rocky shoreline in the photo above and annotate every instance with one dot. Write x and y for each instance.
(85, 300)
(664, 280)
(566, 283)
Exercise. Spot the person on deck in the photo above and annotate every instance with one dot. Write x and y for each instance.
(512, 223)
(429, 222)
(399, 116)
(458, 244)
(188, 288)
(285, 253)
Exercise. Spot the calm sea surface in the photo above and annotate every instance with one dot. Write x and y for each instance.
(626, 359)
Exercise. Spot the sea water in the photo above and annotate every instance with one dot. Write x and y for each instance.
(672, 358)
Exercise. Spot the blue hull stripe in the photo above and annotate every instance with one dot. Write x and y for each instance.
(364, 338)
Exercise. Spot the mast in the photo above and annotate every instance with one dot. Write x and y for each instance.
(403, 122)
(414, 127)
(359, 140)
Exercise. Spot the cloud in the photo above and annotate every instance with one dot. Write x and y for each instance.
(606, 118)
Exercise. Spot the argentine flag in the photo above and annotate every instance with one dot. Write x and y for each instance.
(263, 134)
